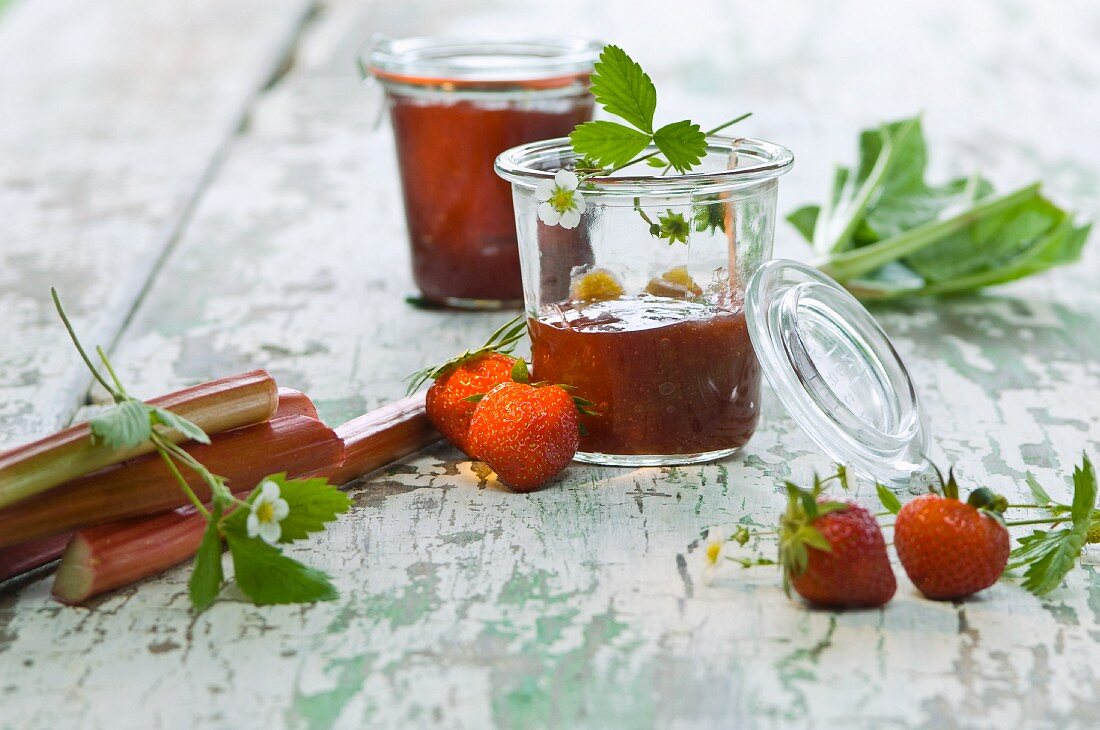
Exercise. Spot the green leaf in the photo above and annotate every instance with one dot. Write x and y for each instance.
(887, 233)
(804, 219)
(889, 500)
(673, 227)
(710, 217)
(656, 162)
(1037, 492)
(1084, 493)
(207, 576)
(682, 143)
(1049, 556)
(608, 143)
(179, 423)
(268, 577)
(312, 502)
(124, 426)
(623, 89)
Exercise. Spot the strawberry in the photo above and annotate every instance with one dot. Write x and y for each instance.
(949, 548)
(833, 553)
(474, 372)
(526, 433)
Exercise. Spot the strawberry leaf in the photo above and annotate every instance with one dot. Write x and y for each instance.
(124, 426)
(682, 143)
(1050, 555)
(207, 576)
(268, 577)
(608, 143)
(622, 88)
(888, 499)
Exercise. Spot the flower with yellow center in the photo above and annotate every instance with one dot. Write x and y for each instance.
(559, 201)
(268, 510)
(715, 542)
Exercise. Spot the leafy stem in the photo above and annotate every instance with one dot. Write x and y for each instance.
(278, 510)
(79, 348)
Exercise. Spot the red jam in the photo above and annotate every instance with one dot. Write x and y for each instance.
(459, 213)
(667, 376)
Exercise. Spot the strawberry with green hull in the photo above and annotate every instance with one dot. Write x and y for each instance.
(527, 433)
(474, 372)
(951, 549)
(833, 553)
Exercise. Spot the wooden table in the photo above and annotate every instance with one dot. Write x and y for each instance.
(203, 182)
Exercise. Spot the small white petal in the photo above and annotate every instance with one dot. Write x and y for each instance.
(270, 532)
(578, 202)
(566, 179)
(570, 219)
(544, 190)
(253, 524)
(269, 491)
(281, 509)
(717, 534)
(548, 215)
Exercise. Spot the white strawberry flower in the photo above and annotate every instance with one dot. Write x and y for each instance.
(715, 542)
(268, 510)
(560, 203)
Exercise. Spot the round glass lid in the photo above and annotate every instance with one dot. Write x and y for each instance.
(837, 372)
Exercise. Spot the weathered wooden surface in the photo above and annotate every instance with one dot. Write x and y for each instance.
(112, 115)
(582, 605)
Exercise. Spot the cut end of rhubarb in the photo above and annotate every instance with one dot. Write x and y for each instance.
(76, 574)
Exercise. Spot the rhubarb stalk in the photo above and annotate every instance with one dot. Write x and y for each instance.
(101, 558)
(382, 436)
(26, 556)
(294, 444)
(116, 554)
(217, 406)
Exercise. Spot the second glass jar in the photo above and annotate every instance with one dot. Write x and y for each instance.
(455, 104)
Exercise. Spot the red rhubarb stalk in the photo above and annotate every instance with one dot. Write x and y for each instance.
(109, 556)
(294, 444)
(20, 558)
(383, 436)
(216, 406)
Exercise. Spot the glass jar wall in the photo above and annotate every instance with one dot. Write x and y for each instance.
(640, 306)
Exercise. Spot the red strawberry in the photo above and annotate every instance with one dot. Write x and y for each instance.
(474, 372)
(951, 549)
(526, 433)
(833, 553)
(446, 403)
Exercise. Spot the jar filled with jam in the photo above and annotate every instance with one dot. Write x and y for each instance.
(663, 307)
(455, 104)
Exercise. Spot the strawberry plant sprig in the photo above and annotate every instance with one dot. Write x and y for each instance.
(949, 547)
(624, 90)
(277, 511)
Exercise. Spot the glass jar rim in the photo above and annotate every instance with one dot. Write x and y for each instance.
(480, 63)
(768, 161)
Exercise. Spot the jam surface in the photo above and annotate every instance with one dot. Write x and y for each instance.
(459, 213)
(667, 376)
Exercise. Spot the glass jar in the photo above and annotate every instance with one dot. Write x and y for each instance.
(640, 307)
(663, 306)
(455, 104)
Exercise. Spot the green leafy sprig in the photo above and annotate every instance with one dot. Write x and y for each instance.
(502, 341)
(1049, 555)
(885, 233)
(261, 571)
(623, 89)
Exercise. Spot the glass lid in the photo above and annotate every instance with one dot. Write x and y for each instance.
(837, 372)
